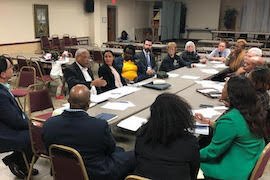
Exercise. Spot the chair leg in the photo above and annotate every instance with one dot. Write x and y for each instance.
(25, 161)
(34, 158)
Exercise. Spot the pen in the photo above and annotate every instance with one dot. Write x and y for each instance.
(122, 102)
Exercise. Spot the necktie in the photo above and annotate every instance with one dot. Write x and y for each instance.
(148, 60)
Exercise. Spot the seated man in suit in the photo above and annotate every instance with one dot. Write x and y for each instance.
(147, 59)
(14, 134)
(80, 73)
(90, 136)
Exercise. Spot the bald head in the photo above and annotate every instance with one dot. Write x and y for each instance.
(79, 97)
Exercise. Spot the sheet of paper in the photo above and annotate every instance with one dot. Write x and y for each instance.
(173, 75)
(220, 66)
(132, 123)
(98, 98)
(211, 84)
(190, 77)
(120, 92)
(215, 62)
(209, 71)
(220, 108)
(199, 65)
(118, 105)
(207, 112)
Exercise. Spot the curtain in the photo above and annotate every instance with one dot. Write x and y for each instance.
(255, 16)
(170, 20)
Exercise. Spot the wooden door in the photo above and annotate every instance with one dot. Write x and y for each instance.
(111, 12)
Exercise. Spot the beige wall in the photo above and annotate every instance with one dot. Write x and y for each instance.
(202, 14)
(65, 16)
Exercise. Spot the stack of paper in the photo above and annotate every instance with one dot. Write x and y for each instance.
(210, 71)
(190, 77)
(173, 75)
(132, 123)
(120, 92)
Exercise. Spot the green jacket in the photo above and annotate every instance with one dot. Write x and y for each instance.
(233, 151)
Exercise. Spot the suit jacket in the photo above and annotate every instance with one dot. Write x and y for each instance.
(91, 137)
(169, 65)
(73, 76)
(190, 57)
(178, 160)
(14, 134)
(105, 72)
(143, 60)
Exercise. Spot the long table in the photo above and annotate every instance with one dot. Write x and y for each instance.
(215, 42)
(145, 97)
(138, 45)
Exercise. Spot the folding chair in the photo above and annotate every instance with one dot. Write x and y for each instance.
(38, 100)
(45, 43)
(261, 163)
(45, 78)
(56, 43)
(27, 76)
(22, 61)
(66, 40)
(67, 163)
(136, 177)
(74, 40)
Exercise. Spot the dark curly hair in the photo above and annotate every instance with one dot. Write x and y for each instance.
(171, 117)
(260, 77)
(242, 96)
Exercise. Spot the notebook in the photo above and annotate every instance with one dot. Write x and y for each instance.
(157, 86)
(106, 116)
(210, 92)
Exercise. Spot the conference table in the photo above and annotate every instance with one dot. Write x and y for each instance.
(144, 97)
(137, 45)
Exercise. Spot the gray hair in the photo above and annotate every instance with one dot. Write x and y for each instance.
(255, 51)
(190, 43)
(80, 51)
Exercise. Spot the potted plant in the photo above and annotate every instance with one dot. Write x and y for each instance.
(230, 18)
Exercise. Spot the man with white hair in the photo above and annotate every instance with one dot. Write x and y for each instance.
(80, 73)
(252, 59)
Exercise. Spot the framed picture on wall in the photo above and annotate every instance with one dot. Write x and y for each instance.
(41, 20)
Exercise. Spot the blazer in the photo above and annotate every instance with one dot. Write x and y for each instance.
(178, 160)
(168, 63)
(233, 149)
(73, 76)
(105, 72)
(14, 134)
(91, 137)
(142, 58)
(190, 57)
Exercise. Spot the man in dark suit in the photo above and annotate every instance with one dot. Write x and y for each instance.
(80, 73)
(90, 136)
(147, 58)
(14, 134)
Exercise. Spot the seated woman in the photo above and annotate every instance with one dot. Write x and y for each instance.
(190, 55)
(164, 148)
(171, 61)
(124, 37)
(130, 69)
(260, 78)
(236, 59)
(238, 135)
(109, 73)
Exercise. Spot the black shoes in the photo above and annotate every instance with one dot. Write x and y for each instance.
(14, 168)
(21, 174)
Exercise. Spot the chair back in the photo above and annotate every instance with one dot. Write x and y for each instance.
(74, 41)
(135, 177)
(22, 61)
(45, 43)
(55, 42)
(261, 37)
(39, 98)
(67, 163)
(261, 163)
(27, 76)
(34, 62)
(66, 40)
(38, 146)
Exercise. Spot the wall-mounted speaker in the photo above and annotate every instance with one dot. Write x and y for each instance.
(89, 6)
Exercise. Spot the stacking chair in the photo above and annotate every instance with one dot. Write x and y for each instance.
(261, 163)
(35, 63)
(67, 163)
(27, 76)
(74, 40)
(38, 147)
(45, 43)
(66, 40)
(22, 61)
(135, 177)
(39, 100)
(56, 43)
